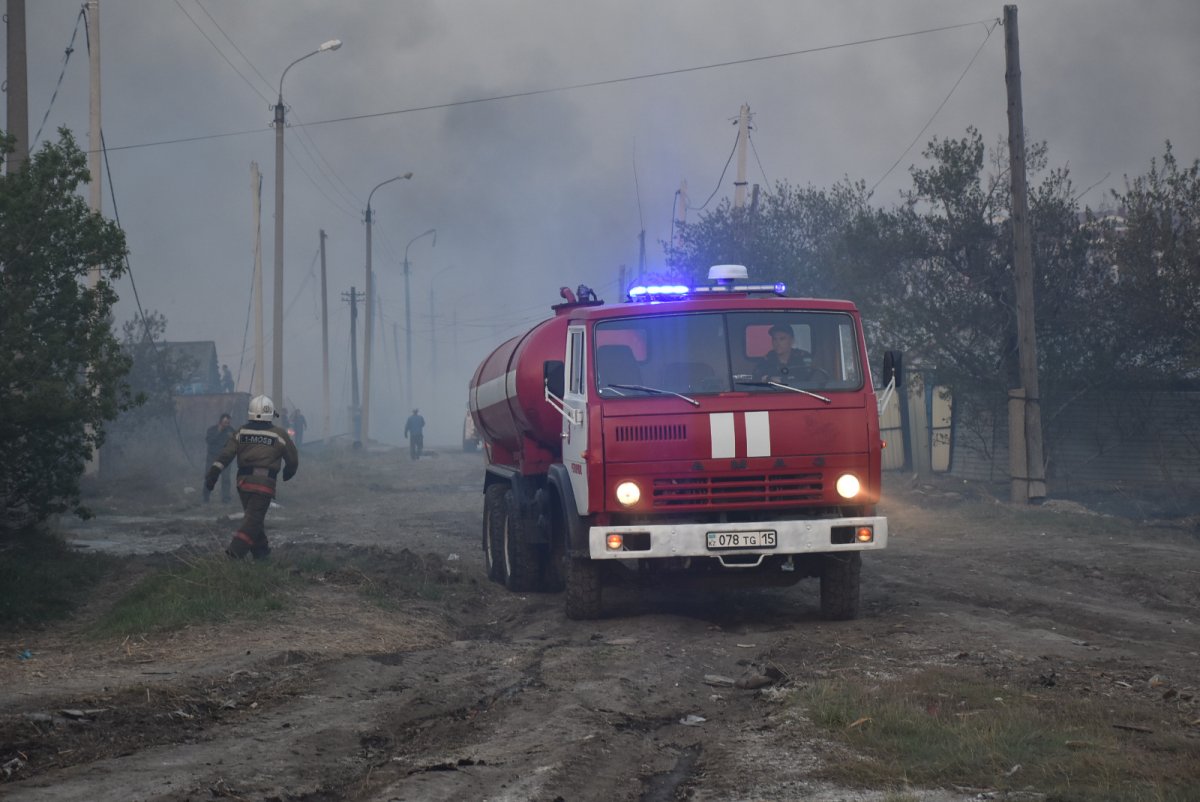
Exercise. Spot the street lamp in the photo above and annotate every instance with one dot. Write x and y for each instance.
(408, 316)
(280, 124)
(370, 327)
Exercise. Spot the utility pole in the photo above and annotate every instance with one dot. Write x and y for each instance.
(396, 351)
(355, 411)
(739, 186)
(324, 341)
(1028, 479)
(259, 351)
(681, 202)
(95, 197)
(92, 28)
(17, 87)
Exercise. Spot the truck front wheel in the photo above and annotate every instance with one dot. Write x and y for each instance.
(584, 588)
(493, 531)
(840, 585)
(522, 559)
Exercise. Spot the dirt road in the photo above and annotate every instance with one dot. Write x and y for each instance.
(455, 689)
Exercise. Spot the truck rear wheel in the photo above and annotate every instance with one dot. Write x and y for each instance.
(493, 531)
(522, 560)
(840, 585)
(584, 588)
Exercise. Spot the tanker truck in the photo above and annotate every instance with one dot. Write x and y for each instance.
(721, 435)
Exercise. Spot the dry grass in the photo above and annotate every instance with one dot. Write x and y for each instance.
(947, 728)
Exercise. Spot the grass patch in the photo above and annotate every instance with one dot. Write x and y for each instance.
(214, 589)
(207, 589)
(43, 580)
(942, 728)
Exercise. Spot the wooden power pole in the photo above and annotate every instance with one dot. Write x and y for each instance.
(17, 86)
(1028, 475)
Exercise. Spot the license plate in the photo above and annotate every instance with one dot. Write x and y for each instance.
(721, 541)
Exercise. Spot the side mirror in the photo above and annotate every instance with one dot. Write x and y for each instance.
(553, 377)
(892, 368)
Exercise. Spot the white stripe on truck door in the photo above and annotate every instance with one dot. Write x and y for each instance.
(720, 425)
(758, 434)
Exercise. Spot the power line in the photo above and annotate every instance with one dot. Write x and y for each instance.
(571, 87)
(941, 105)
(721, 179)
(66, 58)
(220, 53)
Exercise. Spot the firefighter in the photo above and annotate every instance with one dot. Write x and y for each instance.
(260, 448)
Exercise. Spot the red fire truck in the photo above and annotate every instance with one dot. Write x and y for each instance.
(721, 434)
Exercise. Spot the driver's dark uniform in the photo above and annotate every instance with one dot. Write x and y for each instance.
(798, 365)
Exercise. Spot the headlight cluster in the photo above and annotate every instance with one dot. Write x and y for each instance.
(848, 486)
(628, 493)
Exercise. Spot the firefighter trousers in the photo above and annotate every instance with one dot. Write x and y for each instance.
(251, 537)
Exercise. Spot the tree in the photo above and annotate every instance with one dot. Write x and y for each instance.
(1152, 248)
(794, 236)
(62, 370)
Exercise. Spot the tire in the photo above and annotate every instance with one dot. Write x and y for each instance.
(522, 560)
(584, 595)
(840, 585)
(493, 531)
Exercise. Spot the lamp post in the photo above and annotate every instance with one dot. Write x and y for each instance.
(408, 317)
(280, 124)
(370, 323)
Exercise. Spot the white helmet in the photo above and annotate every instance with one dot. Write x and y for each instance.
(262, 408)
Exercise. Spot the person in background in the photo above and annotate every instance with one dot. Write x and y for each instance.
(214, 440)
(299, 424)
(414, 432)
(261, 448)
(226, 380)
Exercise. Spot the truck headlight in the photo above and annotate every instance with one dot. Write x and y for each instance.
(847, 485)
(628, 493)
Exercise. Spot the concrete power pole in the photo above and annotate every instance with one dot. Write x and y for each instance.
(259, 352)
(1028, 475)
(324, 342)
(17, 87)
(355, 410)
(739, 186)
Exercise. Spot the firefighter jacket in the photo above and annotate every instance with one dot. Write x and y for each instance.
(260, 449)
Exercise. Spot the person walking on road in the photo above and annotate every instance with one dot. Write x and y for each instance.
(414, 431)
(261, 448)
(214, 439)
(299, 424)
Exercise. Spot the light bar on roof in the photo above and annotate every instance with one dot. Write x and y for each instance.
(677, 292)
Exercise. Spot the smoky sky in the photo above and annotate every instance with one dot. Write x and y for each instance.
(550, 189)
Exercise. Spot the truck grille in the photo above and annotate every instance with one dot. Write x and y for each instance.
(732, 491)
(651, 433)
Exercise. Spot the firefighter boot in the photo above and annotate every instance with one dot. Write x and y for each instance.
(239, 546)
(260, 551)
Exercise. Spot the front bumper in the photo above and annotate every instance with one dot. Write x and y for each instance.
(690, 540)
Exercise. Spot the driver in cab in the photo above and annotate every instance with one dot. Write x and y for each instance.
(784, 361)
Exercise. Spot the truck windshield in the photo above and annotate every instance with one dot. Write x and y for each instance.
(716, 352)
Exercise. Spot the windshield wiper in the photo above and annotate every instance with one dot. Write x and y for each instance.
(786, 387)
(654, 390)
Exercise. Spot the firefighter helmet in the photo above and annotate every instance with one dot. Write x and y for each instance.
(262, 408)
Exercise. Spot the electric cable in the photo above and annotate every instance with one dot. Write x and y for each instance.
(54, 96)
(941, 105)
(720, 180)
(566, 88)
